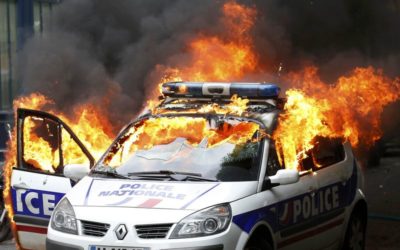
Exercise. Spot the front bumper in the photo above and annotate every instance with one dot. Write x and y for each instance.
(229, 239)
(53, 245)
(62, 241)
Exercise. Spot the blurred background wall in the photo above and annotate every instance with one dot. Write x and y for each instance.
(19, 19)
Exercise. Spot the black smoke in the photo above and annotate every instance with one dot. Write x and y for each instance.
(90, 48)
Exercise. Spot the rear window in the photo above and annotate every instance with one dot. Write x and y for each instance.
(326, 152)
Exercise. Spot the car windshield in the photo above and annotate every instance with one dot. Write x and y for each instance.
(213, 148)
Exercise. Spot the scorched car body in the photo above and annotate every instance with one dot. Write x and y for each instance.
(226, 197)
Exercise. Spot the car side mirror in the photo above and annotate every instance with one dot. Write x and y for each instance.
(285, 176)
(76, 171)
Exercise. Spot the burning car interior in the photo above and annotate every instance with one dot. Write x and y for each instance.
(233, 145)
(55, 142)
(202, 124)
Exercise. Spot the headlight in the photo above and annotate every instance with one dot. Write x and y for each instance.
(205, 222)
(63, 218)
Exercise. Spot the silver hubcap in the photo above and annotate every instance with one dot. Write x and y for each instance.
(357, 235)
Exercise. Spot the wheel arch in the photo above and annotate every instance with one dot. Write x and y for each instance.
(262, 229)
(361, 207)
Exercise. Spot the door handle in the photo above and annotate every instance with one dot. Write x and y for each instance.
(21, 185)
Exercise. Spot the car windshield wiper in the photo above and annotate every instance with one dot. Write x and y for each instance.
(174, 175)
(198, 178)
(109, 174)
(165, 172)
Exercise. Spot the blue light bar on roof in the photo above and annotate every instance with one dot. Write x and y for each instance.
(209, 89)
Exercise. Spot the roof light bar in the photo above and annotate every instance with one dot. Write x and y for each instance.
(209, 89)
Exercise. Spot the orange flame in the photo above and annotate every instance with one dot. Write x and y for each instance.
(216, 58)
(350, 109)
(213, 58)
(33, 101)
(87, 122)
(237, 106)
(164, 130)
(10, 162)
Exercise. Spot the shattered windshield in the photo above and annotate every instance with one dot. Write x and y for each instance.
(214, 148)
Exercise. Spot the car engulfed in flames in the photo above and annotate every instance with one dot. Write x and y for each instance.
(349, 109)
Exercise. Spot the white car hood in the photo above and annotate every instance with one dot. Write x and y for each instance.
(102, 192)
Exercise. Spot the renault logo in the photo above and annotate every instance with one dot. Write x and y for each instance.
(121, 231)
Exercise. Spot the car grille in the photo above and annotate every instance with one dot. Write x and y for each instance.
(94, 228)
(155, 231)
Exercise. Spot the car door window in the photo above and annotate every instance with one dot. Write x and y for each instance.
(41, 144)
(71, 152)
(273, 164)
(47, 144)
(327, 152)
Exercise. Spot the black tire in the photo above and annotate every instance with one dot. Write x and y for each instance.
(258, 244)
(5, 228)
(355, 232)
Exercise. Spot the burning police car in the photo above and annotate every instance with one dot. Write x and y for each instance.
(190, 175)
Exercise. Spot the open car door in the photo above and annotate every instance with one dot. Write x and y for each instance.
(45, 144)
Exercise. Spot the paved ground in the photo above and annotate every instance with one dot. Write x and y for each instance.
(382, 188)
(383, 193)
(8, 245)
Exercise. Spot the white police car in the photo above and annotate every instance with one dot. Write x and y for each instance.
(184, 195)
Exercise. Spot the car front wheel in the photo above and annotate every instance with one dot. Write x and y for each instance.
(355, 233)
(259, 244)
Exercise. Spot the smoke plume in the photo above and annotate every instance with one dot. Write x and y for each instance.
(106, 52)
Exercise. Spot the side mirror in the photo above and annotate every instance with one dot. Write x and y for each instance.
(76, 171)
(285, 176)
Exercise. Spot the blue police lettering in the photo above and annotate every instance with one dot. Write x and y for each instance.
(159, 187)
(35, 202)
(321, 204)
(139, 192)
(49, 202)
(150, 193)
(307, 206)
(335, 196)
(104, 193)
(327, 204)
(314, 207)
(28, 199)
(144, 189)
(116, 192)
(297, 209)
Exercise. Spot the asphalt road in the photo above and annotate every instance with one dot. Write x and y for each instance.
(8, 245)
(383, 194)
(382, 189)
